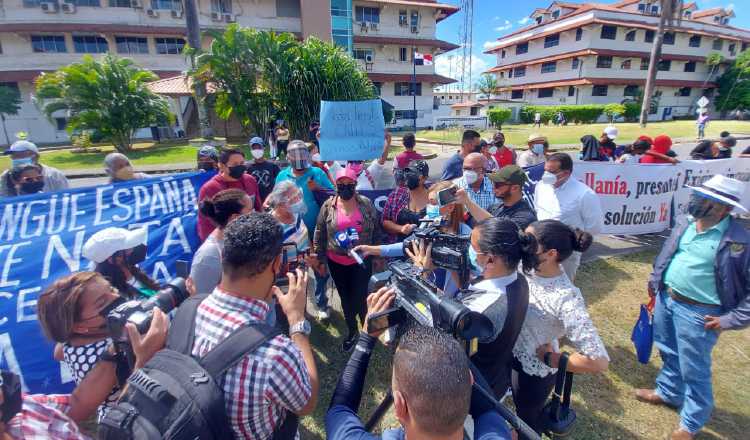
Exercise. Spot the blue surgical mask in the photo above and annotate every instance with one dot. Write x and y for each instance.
(17, 163)
(473, 259)
(538, 149)
(298, 207)
(433, 211)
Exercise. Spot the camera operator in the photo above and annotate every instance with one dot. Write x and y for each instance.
(71, 313)
(431, 385)
(117, 253)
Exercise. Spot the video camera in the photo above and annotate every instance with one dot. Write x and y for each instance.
(449, 251)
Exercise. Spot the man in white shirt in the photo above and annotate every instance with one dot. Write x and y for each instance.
(558, 196)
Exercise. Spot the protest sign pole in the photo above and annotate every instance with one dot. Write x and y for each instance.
(414, 86)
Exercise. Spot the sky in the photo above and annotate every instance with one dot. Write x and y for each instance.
(495, 18)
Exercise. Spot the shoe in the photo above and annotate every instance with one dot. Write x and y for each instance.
(348, 344)
(323, 315)
(649, 396)
(680, 434)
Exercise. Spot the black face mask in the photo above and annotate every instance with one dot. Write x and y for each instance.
(137, 255)
(11, 395)
(32, 187)
(699, 207)
(346, 192)
(412, 181)
(206, 166)
(237, 171)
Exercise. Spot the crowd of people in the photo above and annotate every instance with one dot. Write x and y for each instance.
(259, 223)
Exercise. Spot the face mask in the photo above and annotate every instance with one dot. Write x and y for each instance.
(236, 171)
(138, 255)
(206, 166)
(538, 149)
(124, 173)
(257, 153)
(493, 150)
(699, 207)
(412, 181)
(549, 178)
(298, 208)
(356, 167)
(316, 157)
(473, 259)
(471, 177)
(32, 187)
(17, 163)
(346, 192)
(432, 211)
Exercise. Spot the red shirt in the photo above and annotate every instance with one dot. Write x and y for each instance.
(647, 158)
(505, 156)
(218, 184)
(403, 159)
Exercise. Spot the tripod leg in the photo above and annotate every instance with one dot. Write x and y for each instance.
(380, 411)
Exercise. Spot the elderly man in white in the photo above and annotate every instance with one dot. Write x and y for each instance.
(559, 196)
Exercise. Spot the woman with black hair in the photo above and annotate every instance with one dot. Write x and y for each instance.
(556, 310)
(406, 205)
(25, 179)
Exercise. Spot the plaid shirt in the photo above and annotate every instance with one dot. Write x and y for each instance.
(268, 382)
(43, 417)
(485, 197)
(398, 199)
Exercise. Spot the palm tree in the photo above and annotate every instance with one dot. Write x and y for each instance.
(487, 85)
(10, 103)
(194, 41)
(671, 11)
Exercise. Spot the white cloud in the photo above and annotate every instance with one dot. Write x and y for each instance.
(497, 17)
(524, 20)
(504, 27)
(450, 66)
(489, 44)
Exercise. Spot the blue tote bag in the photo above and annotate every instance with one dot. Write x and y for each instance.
(643, 332)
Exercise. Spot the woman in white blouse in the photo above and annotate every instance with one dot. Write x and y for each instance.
(556, 310)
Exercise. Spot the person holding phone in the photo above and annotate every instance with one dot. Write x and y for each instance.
(473, 181)
(405, 206)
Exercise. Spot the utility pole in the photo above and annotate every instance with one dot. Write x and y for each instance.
(667, 10)
(414, 86)
(199, 88)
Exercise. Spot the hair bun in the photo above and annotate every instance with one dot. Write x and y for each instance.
(583, 240)
(208, 208)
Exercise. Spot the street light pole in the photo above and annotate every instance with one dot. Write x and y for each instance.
(199, 89)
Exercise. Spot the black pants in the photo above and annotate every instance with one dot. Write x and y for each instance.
(351, 283)
(281, 147)
(530, 395)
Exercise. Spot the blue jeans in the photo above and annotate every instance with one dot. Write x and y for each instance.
(321, 299)
(685, 347)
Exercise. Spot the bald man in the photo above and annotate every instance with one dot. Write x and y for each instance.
(474, 182)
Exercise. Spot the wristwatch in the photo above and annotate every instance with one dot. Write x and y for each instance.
(303, 327)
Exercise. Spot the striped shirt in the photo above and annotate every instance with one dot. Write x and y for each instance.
(296, 232)
(272, 380)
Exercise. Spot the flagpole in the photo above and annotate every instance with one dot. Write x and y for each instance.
(414, 86)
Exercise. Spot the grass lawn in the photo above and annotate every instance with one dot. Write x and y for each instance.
(613, 289)
(571, 134)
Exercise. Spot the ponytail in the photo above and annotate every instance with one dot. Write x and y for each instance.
(553, 234)
(501, 238)
(583, 240)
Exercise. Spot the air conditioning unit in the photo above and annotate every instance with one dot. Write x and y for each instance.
(49, 7)
(177, 13)
(229, 18)
(68, 8)
(136, 4)
(415, 29)
(153, 13)
(374, 26)
(368, 58)
(216, 16)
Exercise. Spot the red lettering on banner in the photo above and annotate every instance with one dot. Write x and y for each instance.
(663, 212)
(617, 186)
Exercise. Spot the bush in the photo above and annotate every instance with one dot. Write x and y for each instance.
(499, 115)
(632, 111)
(585, 114)
(614, 111)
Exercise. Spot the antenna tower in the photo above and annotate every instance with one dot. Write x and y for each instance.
(467, 38)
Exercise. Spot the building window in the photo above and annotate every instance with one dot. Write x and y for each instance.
(539, 19)
(552, 40)
(664, 65)
(48, 43)
(625, 65)
(685, 91)
(364, 14)
(579, 34)
(403, 54)
(404, 114)
(603, 62)
(403, 89)
(644, 63)
(695, 41)
(502, 74)
(718, 44)
(130, 45)
(571, 91)
(690, 66)
(291, 8)
(745, 45)
(732, 49)
(631, 90)
(474, 111)
(556, 15)
(167, 5)
(649, 36)
(378, 87)
(120, 4)
(547, 92)
(522, 48)
(61, 123)
(654, 10)
(11, 85)
(90, 3)
(516, 94)
(89, 44)
(549, 67)
(361, 54)
(630, 36)
(169, 46)
(502, 54)
(403, 17)
(519, 71)
(575, 63)
(669, 38)
(599, 91)
(609, 32)
(221, 6)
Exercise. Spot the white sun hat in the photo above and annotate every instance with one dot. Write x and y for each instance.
(724, 189)
(106, 242)
(611, 132)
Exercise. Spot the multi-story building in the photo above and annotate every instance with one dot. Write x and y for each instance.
(596, 54)
(42, 35)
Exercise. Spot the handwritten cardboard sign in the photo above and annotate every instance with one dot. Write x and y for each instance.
(351, 130)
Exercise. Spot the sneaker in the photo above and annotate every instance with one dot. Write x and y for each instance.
(323, 315)
(348, 344)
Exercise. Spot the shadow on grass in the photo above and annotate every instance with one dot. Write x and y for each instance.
(596, 279)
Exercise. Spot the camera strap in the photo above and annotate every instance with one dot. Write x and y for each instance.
(560, 401)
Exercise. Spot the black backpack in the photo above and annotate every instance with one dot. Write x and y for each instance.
(559, 417)
(176, 396)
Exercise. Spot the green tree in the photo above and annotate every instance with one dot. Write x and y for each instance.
(614, 111)
(10, 104)
(498, 116)
(487, 85)
(734, 85)
(110, 96)
(713, 60)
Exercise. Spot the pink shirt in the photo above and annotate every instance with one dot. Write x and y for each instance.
(344, 222)
(403, 159)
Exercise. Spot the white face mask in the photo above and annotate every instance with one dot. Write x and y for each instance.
(538, 149)
(471, 177)
(549, 178)
(493, 150)
(257, 153)
(315, 157)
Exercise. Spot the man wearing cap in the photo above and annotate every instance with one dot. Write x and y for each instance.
(700, 280)
(508, 185)
(208, 158)
(606, 142)
(23, 152)
(474, 182)
(453, 166)
(726, 143)
(536, 154)
(265, 172)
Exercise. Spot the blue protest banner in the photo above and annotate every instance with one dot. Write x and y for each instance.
(351, 130)
(41, 239)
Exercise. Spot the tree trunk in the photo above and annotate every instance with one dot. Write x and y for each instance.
(5, 130)
(199, 89)
(666, 14)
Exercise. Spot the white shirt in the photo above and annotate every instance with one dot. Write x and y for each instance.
(573, 203)
(528, 159)
(630, 159)
(556, 309)
(376, 171)
(492, 302)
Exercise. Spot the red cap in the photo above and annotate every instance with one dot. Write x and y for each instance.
(662, 143)
(646, 138)
(346, 172)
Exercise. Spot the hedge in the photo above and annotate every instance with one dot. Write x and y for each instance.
(585, 114)
(498, 116)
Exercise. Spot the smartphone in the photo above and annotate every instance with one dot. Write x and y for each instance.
(386, 319)
(182, 268)
(447, 196)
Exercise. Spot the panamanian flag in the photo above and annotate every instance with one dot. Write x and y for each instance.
(422, 59)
